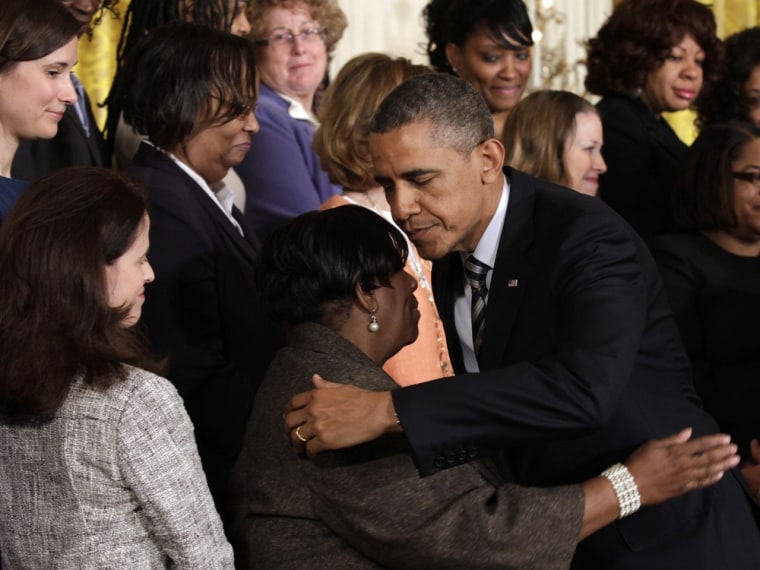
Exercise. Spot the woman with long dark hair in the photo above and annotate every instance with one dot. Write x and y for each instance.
(98, 463)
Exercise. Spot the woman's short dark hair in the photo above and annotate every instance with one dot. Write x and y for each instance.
(31, 29)
(56, 321)
(725, 100)
(638, 37)
(309, 269)
(142, 16)
(453, 21)
(341, 141)
(703, 197)
(182, 78)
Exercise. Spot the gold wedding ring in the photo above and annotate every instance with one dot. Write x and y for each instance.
(299, 436)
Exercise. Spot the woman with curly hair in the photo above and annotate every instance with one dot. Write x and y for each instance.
(649, 57)
(486, 42)
(736, 95)
(282, 176)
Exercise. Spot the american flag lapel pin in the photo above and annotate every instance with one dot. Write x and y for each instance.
(512, 283)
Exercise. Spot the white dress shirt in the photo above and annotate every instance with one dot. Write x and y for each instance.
(222, 196)
(486, 252)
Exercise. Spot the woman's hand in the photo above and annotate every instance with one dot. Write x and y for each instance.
(669, 467)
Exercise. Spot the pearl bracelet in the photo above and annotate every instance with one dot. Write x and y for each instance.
(625, 487)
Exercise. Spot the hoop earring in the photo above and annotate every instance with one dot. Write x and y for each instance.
(373, 325)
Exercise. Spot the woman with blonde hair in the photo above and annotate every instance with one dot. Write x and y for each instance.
(557, 136)
(342, 145)
(294, 41)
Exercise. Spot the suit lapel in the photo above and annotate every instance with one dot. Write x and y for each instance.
(448, 282)
(511, 273)
(248, 234)
(154, 158)
(660, 132)
(217, 215)
(92, 141)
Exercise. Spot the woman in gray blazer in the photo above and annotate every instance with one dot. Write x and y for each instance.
(337, 278)
(98, 463)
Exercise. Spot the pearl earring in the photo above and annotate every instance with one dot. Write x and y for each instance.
(373, 325)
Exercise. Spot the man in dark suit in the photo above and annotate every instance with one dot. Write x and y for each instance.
(578, 359)
(78, 142)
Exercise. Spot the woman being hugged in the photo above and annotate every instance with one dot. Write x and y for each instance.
(38, 47)
(342, 143)
(649, 57)
(330, 275)
(98, 464)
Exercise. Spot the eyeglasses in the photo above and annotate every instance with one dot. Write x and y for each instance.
(751, 177)
(281, 40)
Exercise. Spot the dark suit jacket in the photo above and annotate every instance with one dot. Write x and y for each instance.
(367, 507)
(643, 156)
(71, 146)
(202, 310)
(580, 363)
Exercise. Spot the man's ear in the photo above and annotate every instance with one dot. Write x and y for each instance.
(491, 156)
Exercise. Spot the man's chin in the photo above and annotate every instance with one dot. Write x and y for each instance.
(430, 252)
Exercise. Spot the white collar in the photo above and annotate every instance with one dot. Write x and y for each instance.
(488, 245)
(298, 111)
(219, 193)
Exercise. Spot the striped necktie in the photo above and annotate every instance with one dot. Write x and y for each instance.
(476, 272)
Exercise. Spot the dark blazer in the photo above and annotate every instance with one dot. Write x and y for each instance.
(202, 310)
(580, 363)
(715, 296)
(367, 507)
(71, 146)
(643, 156)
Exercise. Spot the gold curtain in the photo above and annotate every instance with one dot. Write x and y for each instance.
(97, 59)
(731, 16)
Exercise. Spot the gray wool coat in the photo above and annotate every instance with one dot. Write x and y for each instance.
(112, 481)
(367, 507)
